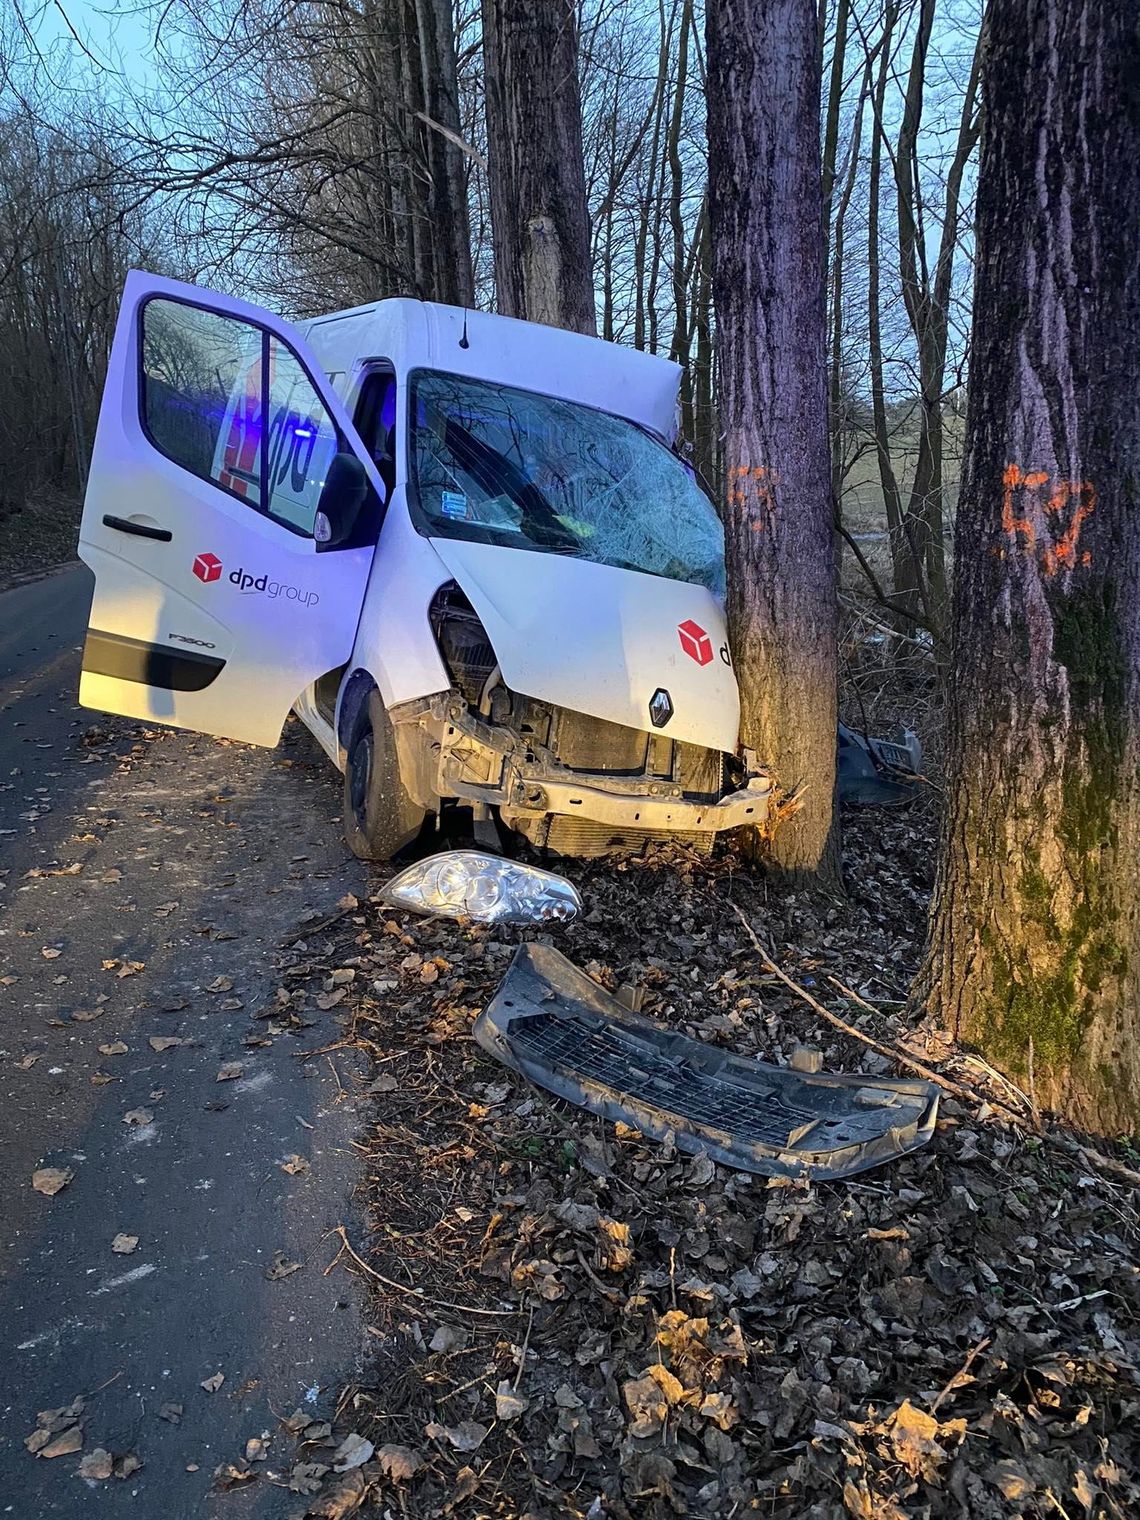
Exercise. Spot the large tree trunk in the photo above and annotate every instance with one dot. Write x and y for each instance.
(539, 217)
(766, 209)
(453, 279)
(1035, 932)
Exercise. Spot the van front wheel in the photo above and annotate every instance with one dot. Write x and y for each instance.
(380, 819)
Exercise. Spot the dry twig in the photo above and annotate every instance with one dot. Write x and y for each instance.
(425, 1298)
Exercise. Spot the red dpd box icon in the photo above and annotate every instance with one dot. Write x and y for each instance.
(695, 641)
(208, 567)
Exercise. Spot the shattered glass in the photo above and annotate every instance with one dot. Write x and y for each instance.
(503, 466)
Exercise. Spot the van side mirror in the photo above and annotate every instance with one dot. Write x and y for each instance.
(342, 496)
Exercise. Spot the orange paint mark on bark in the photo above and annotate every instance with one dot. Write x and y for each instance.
(753, 485)
(1063, 550)
(1023, 516)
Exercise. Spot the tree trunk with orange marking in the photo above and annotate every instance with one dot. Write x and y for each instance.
(1034, 950)
(766, 211)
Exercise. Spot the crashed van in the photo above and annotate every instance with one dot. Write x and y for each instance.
(461, 547)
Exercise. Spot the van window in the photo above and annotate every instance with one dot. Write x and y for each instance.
(511, 467)
(201, 393)
(301, 443)
(208, 382)
(375, 421)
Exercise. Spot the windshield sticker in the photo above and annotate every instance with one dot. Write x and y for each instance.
(454, 504)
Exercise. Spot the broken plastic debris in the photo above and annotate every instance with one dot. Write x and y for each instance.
(550, 1022)
(878, 772)
(471, 884)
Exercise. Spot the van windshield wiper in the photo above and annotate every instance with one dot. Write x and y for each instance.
(497, 475)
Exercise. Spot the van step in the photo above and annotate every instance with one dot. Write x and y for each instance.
(555, 1026)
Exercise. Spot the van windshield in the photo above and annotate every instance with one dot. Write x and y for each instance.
(510, 467)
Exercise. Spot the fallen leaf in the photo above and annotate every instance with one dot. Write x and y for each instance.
(172, 1413)
(466, 1436)
(49, 1180)
(352, 1452)
(400, 1463)
(719, 1408)
(447, 1338)
(63, 1445)
(615, 1252)
(282, 1267)
(508, 1403)
(255, 1449)
(123, 1245)
(229, 1475)
(212, 1384)
(96, 1464)
(220, 984)
(113, 1048)
(342, 1500)
(669, 1384)
(138, 1116)
(85, 1015)
(126, 1465)
(305, 1477)
(51, 954)
(294, 1165)
(161, 1042)
(647, 1405)
(913, 1434)
(229, 1072)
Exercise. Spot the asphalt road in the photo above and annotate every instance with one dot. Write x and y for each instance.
(139, 869)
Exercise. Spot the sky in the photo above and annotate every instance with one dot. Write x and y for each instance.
(117, 40)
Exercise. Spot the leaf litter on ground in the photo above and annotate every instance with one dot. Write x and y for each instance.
(955, 1333)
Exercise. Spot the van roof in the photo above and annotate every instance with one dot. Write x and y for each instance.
(414, 334)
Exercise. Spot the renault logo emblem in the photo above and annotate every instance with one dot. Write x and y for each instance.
(660, 707)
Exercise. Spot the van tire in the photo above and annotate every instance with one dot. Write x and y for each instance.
(380, 819)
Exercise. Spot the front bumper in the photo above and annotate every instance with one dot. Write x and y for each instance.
(484, 763)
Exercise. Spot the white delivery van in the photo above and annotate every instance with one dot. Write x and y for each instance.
(460, 546)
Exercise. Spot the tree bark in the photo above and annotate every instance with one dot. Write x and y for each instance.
(453, 279)
(1034, 951)
(766, 209)
(539, 216)
(888, 481)
(681, 329)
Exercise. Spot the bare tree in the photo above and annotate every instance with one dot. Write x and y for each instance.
(539, 213)
(1035, 934)
(766, 216)
(68, 235)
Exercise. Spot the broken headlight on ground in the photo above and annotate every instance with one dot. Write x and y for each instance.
(550, 1022)
(470, 884)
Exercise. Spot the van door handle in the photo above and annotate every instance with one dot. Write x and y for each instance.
(124, 525)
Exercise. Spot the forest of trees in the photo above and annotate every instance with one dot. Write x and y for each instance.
(355, 160)
(781, 196)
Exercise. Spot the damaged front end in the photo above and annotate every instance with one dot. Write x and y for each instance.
(568, 782)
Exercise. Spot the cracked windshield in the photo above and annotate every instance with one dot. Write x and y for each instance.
(510, 467)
